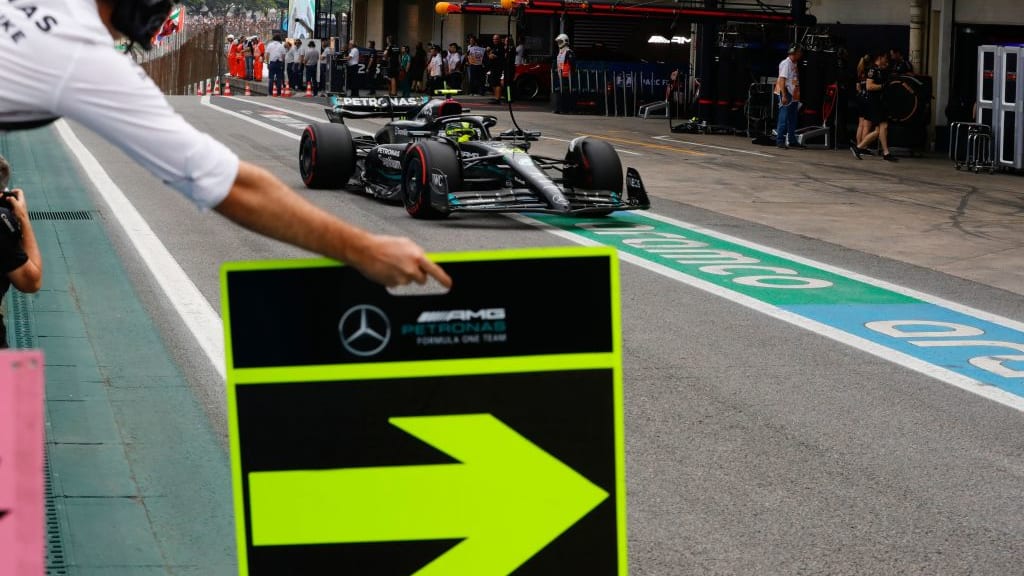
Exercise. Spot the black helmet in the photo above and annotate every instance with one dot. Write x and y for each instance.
(140, 20)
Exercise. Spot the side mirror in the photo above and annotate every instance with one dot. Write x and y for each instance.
(513, 134)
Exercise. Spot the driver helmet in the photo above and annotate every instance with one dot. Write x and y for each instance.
(562, 39)
(460, 131)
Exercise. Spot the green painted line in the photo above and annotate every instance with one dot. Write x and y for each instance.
(748, 271)
(507, 498)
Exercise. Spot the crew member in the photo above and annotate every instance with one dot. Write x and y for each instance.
(565, 62)
(787, 90)
(70, 44)
(352, 69)
(875, 84)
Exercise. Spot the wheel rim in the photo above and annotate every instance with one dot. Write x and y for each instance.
(413, 186)
(306, 157)
(528, 88)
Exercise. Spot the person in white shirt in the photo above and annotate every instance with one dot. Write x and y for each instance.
(77, 73)
(352, 69)
(325, 59)
(787, 90)
(289, 63)
(434, 65)
(275, 65)
(453, 66)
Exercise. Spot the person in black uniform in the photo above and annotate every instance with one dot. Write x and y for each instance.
(495, 67)
(20, 262)
(391, 55)
(874, 109)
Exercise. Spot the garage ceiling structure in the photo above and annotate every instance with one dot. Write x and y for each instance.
(693, 10)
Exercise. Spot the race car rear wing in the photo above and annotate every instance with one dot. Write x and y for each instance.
(373, 107)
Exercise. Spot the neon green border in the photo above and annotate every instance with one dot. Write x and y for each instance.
(363, 371)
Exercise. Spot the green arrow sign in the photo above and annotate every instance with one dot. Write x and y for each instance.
(507, 498)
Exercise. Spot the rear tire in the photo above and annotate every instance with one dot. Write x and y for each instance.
(421, 159)
(327, 156)
(597, 167)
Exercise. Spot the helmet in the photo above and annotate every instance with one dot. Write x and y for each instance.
(460, 131)
(140, 20)
(562, 39)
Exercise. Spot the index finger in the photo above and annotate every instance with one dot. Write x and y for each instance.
(432, 269)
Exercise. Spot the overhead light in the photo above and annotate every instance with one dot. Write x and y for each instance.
(681, 40)
(657, 40)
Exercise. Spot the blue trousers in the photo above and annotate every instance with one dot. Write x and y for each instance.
(276, 70)
(786, 128)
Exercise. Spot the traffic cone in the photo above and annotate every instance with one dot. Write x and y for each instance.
(209, 86)
(227, 88)
(273, 90)
(309, 89)
(248, 91)
(287, 91)
(216, 87)
(199, 88)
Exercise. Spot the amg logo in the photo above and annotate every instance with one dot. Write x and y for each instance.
(461, 315)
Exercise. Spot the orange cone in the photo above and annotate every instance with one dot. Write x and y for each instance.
(216, 87)
(309, 89)
(287, 91)
(227, 89)
(209, 86)
(248, 91)
(273, 90)
(199, 88)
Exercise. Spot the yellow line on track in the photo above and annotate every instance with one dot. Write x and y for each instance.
(645, 144)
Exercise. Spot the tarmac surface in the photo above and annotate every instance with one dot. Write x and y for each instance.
(756, 443)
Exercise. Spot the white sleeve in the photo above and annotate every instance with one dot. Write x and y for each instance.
(110, 94)
(784, 69)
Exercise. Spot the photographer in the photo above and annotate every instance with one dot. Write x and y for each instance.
(20, 261)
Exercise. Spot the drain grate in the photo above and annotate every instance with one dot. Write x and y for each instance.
(24, 337)
(56, 565)
(60, 215)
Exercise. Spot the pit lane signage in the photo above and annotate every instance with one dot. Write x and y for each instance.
(473, 433)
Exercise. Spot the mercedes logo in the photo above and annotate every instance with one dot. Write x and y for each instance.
(364, 330)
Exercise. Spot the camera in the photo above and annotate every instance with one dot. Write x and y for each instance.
(4, 195)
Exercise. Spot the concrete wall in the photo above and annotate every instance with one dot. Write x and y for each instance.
(861, 11)
(1004, 12)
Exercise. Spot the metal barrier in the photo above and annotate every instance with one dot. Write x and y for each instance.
(191, 58)
(628, 93)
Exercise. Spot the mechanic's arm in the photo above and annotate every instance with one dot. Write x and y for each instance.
(28, 277)
(264, 204)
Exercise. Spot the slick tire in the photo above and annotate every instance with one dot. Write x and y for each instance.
(327, 156)
(597, 167)
(421, 160)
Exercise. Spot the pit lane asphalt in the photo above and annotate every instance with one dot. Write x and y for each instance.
(753, 447)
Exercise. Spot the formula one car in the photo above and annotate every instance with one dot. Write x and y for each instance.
(436, 158)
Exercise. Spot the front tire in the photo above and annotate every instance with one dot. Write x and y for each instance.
(421, 160)
(597, 167)
(327, 156)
